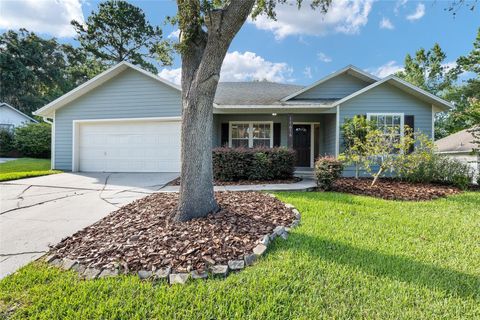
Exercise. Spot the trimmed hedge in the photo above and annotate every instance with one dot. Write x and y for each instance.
(233, 164)
(327, 170)
(6, 142)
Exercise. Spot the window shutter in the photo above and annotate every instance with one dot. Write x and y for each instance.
(410, 122)
(277, 129)
(224, 135)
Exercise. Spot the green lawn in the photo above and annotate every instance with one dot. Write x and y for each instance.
(352, 258)
(24, 168)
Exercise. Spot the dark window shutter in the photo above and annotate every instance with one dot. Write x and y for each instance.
(224, 135)
(410, 122)
(277, 129)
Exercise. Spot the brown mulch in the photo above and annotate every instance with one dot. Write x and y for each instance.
(143, 236)
(176, 182)
(393, 189)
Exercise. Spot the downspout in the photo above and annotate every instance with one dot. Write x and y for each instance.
(47, 121)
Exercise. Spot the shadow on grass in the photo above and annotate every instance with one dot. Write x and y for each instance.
(384, 265)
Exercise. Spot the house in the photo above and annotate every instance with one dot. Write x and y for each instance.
(459, 146)
(128, 120)
(11, 117)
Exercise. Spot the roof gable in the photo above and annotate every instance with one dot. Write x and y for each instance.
(343, 82)
(95, 82)
(6, 105)
(419, 93)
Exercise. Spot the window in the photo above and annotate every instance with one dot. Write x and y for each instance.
(251, 134)
(387, 122)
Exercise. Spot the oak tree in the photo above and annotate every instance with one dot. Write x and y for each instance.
(207, 27)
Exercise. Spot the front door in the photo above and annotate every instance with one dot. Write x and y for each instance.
(301, 144)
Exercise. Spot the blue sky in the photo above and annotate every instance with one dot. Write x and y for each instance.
(302, 46)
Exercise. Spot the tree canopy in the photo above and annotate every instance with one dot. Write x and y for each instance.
(119, 31)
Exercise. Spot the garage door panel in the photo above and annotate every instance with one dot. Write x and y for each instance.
(147, 146)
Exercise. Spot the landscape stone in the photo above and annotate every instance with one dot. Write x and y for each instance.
(279, 230)
(143, 274)
(67, 263)
(290, 206)
(108, 273)
(178, 278)
(236, 265)
(265, 240)
(220, 271)
(295, 223)
(80, 268)
(162, 274)
(284, 236)
(197, 274)
(259, 249)
(297, 214)
(56, 262)
(91, 273)
(249, 259)
(50, 258)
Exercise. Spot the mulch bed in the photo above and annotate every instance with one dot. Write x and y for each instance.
(393, 189)
(143, 236)
(176, 182)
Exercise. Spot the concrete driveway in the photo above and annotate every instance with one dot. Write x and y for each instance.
(38, 212)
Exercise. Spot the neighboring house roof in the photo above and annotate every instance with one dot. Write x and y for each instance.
(458, 142)
(351, 70)
(96, 81)
(3, 104)
(443, 105)
(252, 93)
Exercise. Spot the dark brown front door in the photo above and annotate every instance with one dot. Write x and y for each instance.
(301, 144)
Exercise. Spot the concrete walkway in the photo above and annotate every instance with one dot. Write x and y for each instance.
(304, 185)
(3, 160)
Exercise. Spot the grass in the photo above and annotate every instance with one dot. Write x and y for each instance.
(24, 168)
(352, 257)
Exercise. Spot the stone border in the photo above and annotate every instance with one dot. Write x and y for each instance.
(165, 274)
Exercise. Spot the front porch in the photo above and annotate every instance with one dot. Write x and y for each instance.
(310, 135)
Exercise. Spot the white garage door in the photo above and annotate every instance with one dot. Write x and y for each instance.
(130, 146)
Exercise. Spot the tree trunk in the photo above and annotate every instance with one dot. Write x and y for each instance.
(202, 58)
(375, 178)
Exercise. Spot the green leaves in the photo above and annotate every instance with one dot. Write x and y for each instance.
(119, 31)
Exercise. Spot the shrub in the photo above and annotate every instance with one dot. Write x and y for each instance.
(327, 170)
(440, 169)
(33, 140)
(6, 141)
(233, 164)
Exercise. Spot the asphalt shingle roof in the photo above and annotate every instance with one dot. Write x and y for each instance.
(458, 142)
(253, 93)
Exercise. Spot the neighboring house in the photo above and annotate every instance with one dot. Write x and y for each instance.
(459, 146)
(11, 117)
(127, 119)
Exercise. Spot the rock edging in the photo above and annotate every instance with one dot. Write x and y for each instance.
(166, 274)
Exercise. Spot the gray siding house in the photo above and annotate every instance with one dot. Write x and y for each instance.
(128, 120)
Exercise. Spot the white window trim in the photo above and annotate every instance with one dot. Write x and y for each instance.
(402, 119)
(250, 135)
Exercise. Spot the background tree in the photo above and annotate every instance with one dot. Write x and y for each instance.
(36, 71)
(120, 32)
(206, 30)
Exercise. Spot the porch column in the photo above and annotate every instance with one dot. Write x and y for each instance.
(290, 131)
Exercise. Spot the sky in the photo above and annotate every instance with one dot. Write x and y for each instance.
(301, 47)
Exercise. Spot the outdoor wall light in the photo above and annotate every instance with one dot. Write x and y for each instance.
(274, 114)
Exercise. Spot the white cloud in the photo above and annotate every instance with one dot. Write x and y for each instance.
(307, 72)
(385, 23)
(245, 66)
(342, 17)
(174, 34)
(249, 66)
(172, 75)
(418, 14)
(323, 57)
(385, 70)
(399, 4)
(41, 16)
(449, 65)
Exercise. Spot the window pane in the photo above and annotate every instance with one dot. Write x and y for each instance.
(389, 120)
(257, 143)
(396, 120)
(240, 131)
(261, 130)
(237, 143)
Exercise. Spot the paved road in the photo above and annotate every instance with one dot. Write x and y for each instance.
(39, 211)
